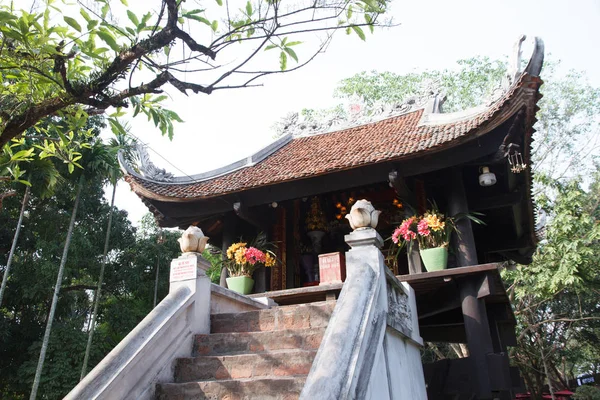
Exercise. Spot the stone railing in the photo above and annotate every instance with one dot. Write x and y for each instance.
(371, 348)
(145, 357)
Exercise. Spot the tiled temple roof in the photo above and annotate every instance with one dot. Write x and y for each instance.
(404, 136)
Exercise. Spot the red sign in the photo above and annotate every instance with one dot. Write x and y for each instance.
(332, 268)
(183, 269)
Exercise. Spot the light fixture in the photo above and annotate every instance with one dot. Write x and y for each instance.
(274, 204)
(516, 163)
(486, 178)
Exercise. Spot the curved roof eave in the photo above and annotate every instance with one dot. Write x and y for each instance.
(429, 118)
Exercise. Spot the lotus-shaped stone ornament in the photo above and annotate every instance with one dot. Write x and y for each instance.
(363, 215)
(192, 240)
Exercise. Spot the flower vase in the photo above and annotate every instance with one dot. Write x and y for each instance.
(434, 259)
(240, 284)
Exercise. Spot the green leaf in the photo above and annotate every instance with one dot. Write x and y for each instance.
(369, 21)
(72, 23)
(248, 8)
(109, 40)
(6, 16)
(291, 52)
(293, 44)
(92, 24)
(215, 25)
(199, 18)
(146, 18)
(85, 15)
(133, 18)
(220, 2)
(359, 32)
(283, 61)
(195, 11)
(124, 2)
(271, 46)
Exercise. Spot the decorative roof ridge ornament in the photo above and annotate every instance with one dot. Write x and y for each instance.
(513, 76)
(146, 168)
(361, 113)
(513, 73)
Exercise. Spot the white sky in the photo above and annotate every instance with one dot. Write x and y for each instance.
(230, 124)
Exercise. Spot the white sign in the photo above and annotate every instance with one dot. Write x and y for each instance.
(183, 269)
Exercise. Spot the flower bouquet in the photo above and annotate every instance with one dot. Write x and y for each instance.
(241, 262)
(432, 231)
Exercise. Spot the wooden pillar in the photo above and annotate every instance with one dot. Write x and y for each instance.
(464, 242)
(478, 336)
(228, 238)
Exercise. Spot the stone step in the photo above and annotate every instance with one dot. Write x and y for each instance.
(217, 344)
(242, 366)
(241, 389)
(302, 316)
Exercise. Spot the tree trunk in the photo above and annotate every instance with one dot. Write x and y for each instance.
(14, 244)
(98, 292)
(61, 270)
(546, 369)
(156, 283)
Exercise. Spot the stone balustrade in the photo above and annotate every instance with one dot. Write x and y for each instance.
(371, 348)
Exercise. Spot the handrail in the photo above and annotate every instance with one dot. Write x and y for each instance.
(373, 327)
(343, 364)
(106, 379)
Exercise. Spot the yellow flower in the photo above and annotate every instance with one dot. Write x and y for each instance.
(240, 255)
(269, 260)
(434, 222)
(234, 248)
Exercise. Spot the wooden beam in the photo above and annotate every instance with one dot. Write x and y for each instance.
(499, 201)
(440, 301)
(447, 334)
(257, 218)
(486, 286)
(451, 272)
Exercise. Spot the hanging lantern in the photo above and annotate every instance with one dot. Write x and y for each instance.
(517, 165)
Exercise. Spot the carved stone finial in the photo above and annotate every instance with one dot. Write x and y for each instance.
(192, 240)
(148, 169)
(363, 215)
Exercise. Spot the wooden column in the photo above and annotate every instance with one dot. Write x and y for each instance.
(478, 336)
(464, 242)
(228, 238)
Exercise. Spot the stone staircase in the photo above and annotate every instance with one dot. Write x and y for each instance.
(263, 355)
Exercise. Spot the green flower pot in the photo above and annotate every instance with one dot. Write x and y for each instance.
(435, 259)
(240, 284)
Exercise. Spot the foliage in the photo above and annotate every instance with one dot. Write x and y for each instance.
(587, 393)
(128, 288)
(555, 298)
(216, 264)
(91, 63)
(464, 87)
